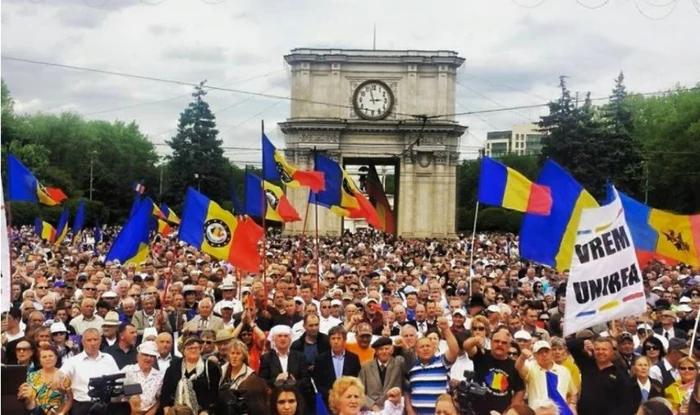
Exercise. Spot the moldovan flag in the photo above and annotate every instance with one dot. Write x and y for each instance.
(377, 196)
(605, 282)
(131, 245)
(62, 228)
(275, 167)
(341, 195)
(24, 187)
(78, 222)
(277, 206)
(550, 239)
(44, 230)
(164, 227)
(662, 235)
(217, 232)
(499, 185)
(170, 215)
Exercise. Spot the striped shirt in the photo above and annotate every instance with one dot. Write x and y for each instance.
(427, 382)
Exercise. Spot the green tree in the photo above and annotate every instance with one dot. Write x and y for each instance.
(198, 159)
(625, 164)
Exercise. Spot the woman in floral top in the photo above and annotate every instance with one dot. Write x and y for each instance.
(38, 392)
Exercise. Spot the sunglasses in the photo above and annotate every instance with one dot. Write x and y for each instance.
(90, 289)
(513, 354)
(544, 319)
(501, 298)
(207, 342)
(687, 368)
(43, 287)
(23, 349)
(479, 328)
(325, 306)
(651, 347)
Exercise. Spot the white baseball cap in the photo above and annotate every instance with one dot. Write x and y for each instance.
(540, 344)
(522, 335)
(148, 348)
(58, 327)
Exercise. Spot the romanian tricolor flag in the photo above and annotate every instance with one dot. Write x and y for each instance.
(131, 245)
(341, 195)
(213, 230)
(164, 228)
(550, 239)
(170, 215)
(375, 191)
(157, 212)
(44, 230)
(499, 185)
(139, 187)
(277, 206)
(24, 187)
(78, 222)
(662, 235)
(62, 228)
(275, 167)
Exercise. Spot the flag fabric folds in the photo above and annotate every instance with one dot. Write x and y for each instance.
(157, 212)
(139, 187)
(662, 235)
(135, 205)
(170, 215)
(62, 227)
(275, 167)
(277, 206)
(164, 228)
(24, 187)
(217, 232)
(341, 195)
(131, 245)
(550, 239)
(78, 222)
(499, 185)
(237, 205)
(44, 230)
(554, 394)
(98, 232)
(377, 195)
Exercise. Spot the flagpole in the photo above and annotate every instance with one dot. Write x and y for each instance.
(318, 262)
(695, 331)
(471, 255)
(264, 213)
(301, 238)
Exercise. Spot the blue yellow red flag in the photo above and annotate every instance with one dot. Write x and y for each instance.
(213, 230)
(62, 227)
(24, 187)
(276, 168)
(550, 239)
(277, 206)
(78, 222)
(499, 185)
(170, 215)
(44, 230)
(131, 245)
(658, 234)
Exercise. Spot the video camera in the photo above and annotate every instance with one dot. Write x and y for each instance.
(466, 392)
(104, 389)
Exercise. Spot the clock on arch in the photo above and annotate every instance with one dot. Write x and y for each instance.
(373, 100)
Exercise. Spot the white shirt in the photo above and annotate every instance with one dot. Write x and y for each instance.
(536, 381)
(655, 372)
(284, 360)
(298, 330)
(327, 323)
(82, 368)
(644, 386)
(12, 337)
(462, 363)
(164, 363)
(237, 306)
(150, 384)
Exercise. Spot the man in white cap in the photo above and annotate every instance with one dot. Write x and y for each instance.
(541, 373)
(327, 320)
(143, 373)
(109, 330)
(228, 292)
(282, 363)
(523, 339)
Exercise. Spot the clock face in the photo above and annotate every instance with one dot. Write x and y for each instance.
(373, 100)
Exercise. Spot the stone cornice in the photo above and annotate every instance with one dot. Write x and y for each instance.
(373, 127)
(434, 57)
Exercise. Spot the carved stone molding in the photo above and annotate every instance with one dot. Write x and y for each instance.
(326, 137)
(454, 158)
(441, 157)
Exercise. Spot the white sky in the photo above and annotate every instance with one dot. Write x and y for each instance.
(514, 49)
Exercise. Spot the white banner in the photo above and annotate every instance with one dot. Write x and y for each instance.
(605, 281)
(5, 276)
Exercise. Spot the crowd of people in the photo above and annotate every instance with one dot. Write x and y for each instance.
(360, 323)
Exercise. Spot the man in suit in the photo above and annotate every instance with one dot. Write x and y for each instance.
(420, 322)
(262, 321)
(668, 326)
(150, 317)
(283, 363)
(334, 363)
(205, 320)
(312, 342)
(385, 371)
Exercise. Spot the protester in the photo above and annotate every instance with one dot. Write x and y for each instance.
(46, 389)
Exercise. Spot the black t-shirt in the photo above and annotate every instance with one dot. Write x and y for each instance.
(500, 377)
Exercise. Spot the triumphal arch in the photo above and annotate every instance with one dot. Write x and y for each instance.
(378, 107)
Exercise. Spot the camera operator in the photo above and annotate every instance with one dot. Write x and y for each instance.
(496, 371)
(90, 363)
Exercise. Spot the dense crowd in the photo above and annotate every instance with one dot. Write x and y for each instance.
(362, 323)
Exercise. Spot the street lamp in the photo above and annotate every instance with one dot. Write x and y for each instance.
(199, 181)
(92, 159)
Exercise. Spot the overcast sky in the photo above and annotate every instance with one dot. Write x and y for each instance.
(514, 49)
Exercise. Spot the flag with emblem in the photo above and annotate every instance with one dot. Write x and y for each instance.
(216, 231)
(275, 167)
(24, 187)
(277, 206)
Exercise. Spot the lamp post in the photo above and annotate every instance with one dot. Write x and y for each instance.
(92, 160)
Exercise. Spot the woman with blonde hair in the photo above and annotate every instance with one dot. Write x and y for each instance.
(445, 406)
(481, 327)
(679, 392)
(347, 397)
(236, 370)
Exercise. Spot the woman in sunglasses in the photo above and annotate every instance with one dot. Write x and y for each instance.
(680, 391)
(208, 346)
(513, 350)
(480, 328)
(653, 349)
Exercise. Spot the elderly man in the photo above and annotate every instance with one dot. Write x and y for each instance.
(542, 373)
(327, 320)
(87, 318)
(204, 320)
(385, 372)
(150, 317)
(428, 378)
(164, 341)
(361, 345)
(143, 373)
(282, 363)
(91, 363)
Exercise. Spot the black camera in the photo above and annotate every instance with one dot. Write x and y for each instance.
(466, 392)
(104, 389)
